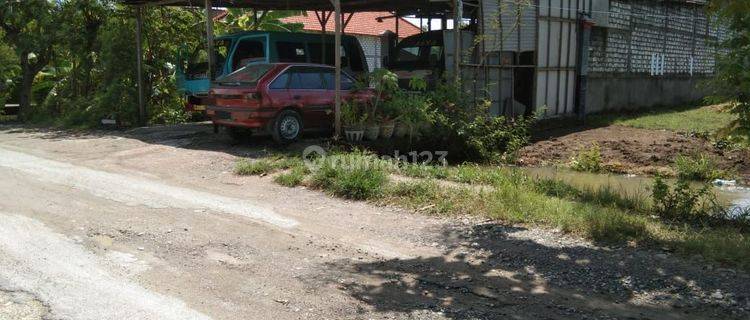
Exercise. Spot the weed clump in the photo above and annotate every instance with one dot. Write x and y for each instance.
(266, 166)
(253, 168)
(699, 167)
(293, 178)
(588, 160)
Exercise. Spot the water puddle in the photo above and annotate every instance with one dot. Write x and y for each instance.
(734, 196)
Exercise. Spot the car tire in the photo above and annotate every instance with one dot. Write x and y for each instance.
(238, 134)
(287, 127)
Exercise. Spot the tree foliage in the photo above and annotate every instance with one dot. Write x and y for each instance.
(9, 69)
(732, 79)
(32, 28)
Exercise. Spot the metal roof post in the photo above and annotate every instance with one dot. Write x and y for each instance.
(457, 17)
(210, 40)
(139, 68)
(337, 56)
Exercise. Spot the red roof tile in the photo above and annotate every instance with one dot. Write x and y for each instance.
(362, 23)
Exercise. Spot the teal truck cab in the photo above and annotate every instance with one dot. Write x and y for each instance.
(428, 55)
(237, 50)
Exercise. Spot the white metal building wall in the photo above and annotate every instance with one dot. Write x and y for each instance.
(557, 45)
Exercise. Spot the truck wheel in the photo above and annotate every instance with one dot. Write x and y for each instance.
(287, 127)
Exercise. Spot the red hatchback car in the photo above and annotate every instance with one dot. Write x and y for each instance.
(283, 99)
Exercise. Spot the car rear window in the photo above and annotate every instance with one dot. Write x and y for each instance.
(305, 78)
(246, 75)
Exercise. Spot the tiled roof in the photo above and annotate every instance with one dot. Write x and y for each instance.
(362, 23)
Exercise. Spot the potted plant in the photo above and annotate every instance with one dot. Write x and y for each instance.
(391, 112)
(372, 128)
(353, 121)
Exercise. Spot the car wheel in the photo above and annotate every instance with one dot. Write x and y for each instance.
(238, 134)
(287, 127)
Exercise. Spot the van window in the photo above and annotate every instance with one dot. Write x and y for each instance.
(291, 51)
(418, 56)
(305, 78)
(316, 53)
(248, 51)
(351, 57)
(197, 66)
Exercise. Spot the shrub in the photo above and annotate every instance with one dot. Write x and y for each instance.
(355, 175)
(588, 160)
(699, 167)
(470, 131)
(683, 203)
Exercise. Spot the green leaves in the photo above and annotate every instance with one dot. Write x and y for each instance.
(732, 80)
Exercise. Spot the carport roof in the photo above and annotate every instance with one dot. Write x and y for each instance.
(346, 5)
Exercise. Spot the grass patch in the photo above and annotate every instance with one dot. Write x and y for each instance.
(265, 166)
(602, 214)
(353, 175)
(293, 178)
(691, 118)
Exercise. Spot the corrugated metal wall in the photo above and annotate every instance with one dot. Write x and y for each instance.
(557, 45)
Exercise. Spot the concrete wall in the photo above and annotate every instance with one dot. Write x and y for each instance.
(622, 72)
(620, 92)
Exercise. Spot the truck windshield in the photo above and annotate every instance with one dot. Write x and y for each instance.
(420, 55)
(248, 75)
(197, 67)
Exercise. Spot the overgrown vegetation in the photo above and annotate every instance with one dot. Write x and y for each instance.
(446, 118)
(351, 175)
(684, 218)
(732, 80)
(699, 167)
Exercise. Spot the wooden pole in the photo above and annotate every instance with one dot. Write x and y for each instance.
(337, 110)
(210, 40)
(139, 68)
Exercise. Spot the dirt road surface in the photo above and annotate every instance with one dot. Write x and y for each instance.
(152, 224)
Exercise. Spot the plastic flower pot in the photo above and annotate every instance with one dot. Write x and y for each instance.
(353, 134)
(386, 130)
(401, 130)
(372, 132)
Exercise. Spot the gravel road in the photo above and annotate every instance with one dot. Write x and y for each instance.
(152, 224)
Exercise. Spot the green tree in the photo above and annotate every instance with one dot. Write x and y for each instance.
(732, 79)
(9, 69)
(32, 28)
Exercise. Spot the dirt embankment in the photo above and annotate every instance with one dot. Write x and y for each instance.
(631, 150)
